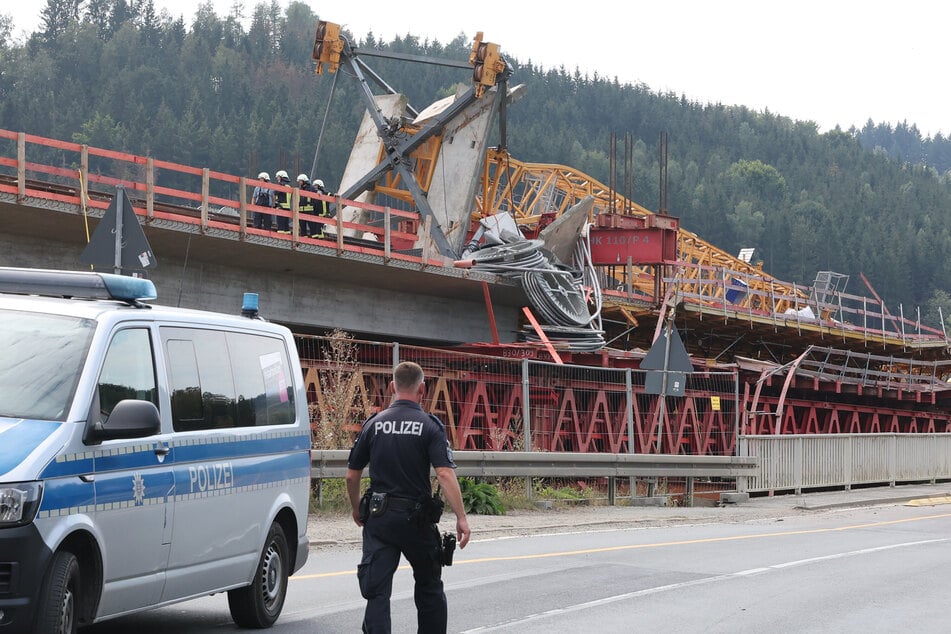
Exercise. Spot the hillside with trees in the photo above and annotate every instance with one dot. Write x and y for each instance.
(237, 93)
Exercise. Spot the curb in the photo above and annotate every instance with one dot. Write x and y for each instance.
(860, 503)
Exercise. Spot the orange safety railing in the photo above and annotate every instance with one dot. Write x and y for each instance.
(35, 167)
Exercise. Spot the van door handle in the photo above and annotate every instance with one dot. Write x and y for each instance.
(162, 450)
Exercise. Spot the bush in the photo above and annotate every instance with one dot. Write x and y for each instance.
(334, 494)
(480, 498)
(559, 491)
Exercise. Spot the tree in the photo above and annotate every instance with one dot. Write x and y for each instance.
(56, 16)
(99, 13)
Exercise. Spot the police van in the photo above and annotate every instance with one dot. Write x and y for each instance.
(148, 455)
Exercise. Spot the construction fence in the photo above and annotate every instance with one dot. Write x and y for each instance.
(491, 403)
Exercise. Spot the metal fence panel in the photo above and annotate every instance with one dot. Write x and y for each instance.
(820, 463)
(869, 459)
(824, 460)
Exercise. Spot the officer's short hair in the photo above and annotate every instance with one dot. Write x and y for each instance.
(407, 376)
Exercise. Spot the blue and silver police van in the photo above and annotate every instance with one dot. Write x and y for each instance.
(148, 455)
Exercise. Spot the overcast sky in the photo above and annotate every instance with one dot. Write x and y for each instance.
(830, 61)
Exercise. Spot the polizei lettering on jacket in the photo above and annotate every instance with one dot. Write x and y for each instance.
(407, 427)
(210, 477)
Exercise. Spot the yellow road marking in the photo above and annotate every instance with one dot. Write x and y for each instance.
(683, 542)
(930, 501)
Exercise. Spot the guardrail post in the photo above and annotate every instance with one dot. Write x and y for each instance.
(84, 172)
(150, 188)
(204, 199)
(21, 165)
(526, 409)
(387, 238)
(427, 241)
(612, 490)
(396, 354)
(243, 208)
(688, 494)
(339, 224)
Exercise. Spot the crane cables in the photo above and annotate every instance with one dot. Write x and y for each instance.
(559, 295)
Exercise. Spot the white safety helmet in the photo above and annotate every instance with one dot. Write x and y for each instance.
(264, 176)
(318, 182)
(282, 174)
(303, 177)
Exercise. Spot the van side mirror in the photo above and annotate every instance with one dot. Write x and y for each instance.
(130, 418)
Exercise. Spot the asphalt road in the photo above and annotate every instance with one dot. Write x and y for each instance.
(877, 569)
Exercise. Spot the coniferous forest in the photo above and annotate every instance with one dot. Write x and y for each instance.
(237, 93)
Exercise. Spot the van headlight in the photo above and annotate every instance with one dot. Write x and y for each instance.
(19, 502)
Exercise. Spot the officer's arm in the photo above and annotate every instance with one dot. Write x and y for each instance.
(450, 487)
(353, 492)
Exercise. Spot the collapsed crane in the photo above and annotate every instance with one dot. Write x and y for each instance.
(412, 145)
(408, 152)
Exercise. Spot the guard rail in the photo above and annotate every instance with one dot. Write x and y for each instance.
(333, 464)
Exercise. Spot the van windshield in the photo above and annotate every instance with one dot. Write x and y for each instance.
(41, 358)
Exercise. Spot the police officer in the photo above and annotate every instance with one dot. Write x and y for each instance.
(400, 444)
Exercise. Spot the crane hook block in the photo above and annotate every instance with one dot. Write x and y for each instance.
(486, 62)
(328, 45)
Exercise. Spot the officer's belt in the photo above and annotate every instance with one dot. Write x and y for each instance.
(400, 504)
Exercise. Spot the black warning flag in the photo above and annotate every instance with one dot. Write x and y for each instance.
(118, 241)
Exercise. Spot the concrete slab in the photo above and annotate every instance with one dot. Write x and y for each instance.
(655, 500)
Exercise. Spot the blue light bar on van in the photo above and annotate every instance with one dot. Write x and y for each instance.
(75, 284)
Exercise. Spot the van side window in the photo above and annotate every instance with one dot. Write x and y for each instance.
(226, 379)
(263, 380)
(128, 371)
(202, 389)
(184, 388)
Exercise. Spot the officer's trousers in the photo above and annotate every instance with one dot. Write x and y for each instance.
(384, 538)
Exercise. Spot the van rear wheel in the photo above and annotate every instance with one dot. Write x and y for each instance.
(57, 610)
(259, 604)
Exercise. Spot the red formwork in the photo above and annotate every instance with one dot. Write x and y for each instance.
(484, 400)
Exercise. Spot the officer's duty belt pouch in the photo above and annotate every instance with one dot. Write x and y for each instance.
(377, 504)
(364, 508)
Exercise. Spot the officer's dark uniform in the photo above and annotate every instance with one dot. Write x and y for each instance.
(400, 443)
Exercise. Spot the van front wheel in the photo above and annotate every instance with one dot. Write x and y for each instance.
(57, 611)
(259, 604)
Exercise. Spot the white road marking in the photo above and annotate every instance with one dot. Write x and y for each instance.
(515, 623)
